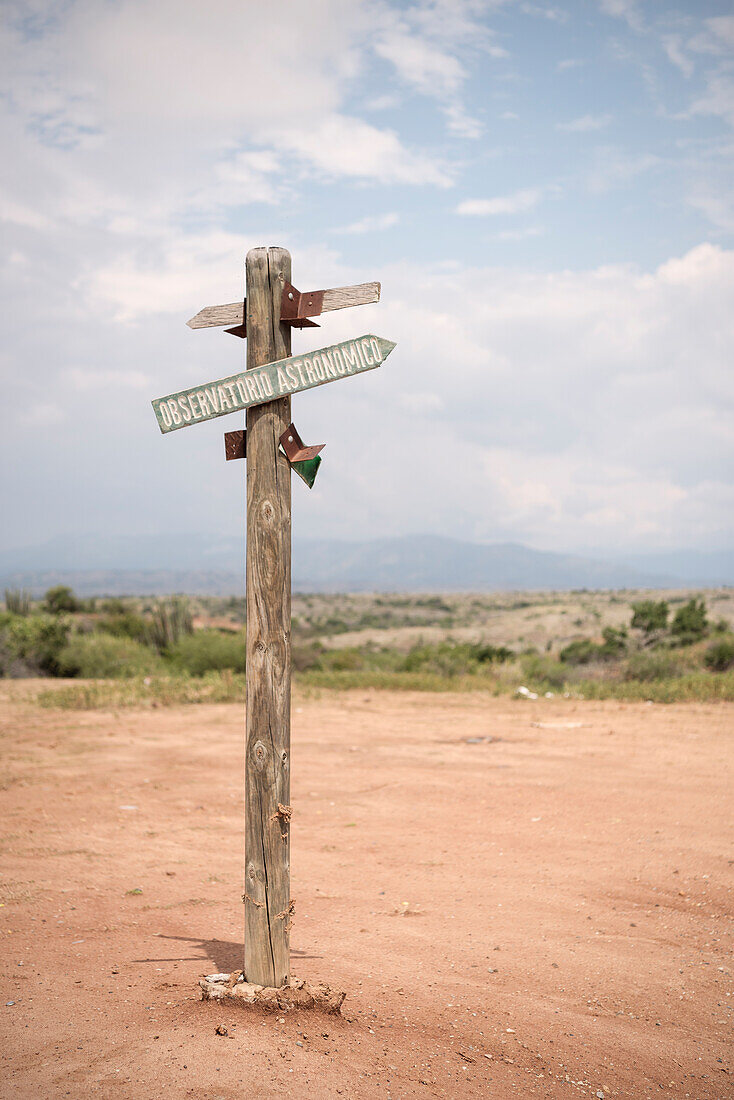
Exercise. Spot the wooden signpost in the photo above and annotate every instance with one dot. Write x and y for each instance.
(272, 306)
(269, 382)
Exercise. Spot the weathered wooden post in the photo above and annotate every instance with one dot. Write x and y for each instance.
(273, 447)
(268, 714)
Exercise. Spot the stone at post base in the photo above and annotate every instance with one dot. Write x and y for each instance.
(233, 989)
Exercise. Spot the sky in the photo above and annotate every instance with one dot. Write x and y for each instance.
(545, 191)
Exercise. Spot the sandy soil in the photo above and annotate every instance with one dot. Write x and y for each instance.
(521, 899)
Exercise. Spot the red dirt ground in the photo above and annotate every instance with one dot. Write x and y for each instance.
(543, 914)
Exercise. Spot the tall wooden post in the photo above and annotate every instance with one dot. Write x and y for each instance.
(268, 734)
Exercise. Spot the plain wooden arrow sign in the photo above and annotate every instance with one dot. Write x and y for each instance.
(269, 382)
(339, 297)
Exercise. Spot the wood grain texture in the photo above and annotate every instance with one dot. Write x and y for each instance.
(339, 297)
(267, 760)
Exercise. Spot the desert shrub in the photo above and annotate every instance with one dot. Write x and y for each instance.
(306, 655)
(208, 650)
(544, 672)
(18, 601)
(149, 691)
(614, 644)
(341, 660)
(698, 686)
(579, 652)
(113, 606)
(61, 598)
(647, 667)
(124, 624)
(650, 616)
(487, 654)
(720, 655)
(105, 657)
(451, 658)
(30, 644)
(690, 622)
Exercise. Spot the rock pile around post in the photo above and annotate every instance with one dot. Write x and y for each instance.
(233, 989)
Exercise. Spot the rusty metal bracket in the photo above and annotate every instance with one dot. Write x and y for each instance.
(235, 444)
(304, 461)
(293, 445)
(296, 308)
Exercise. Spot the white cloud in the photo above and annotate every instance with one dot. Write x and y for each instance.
(585, 123)
(168, 276)
(672, 44)
(718, 99)
(432, 71)
(717, 36)
(718, 208)
(371, 224)
(515, 203)
(583, 408)
(615, 168)
(624, 9)
(426, 44)
(338, 145)
(173, 110)
(555, 15)
(569, 63)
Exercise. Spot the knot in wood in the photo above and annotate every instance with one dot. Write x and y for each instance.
(260, 753)
(261, 647)
(267, 511)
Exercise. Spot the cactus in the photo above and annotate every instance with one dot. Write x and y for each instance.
(18, 601)
(170, 620)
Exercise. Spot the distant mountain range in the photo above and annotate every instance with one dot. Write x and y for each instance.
(156, 565)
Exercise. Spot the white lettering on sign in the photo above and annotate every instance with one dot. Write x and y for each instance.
(266, 383)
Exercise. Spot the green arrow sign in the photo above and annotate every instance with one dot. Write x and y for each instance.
(268, 383)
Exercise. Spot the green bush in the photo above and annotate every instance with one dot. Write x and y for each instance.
(648, 667)
(341, 660)
(720, 655)
(650, 616)
(104, 657)
(124, 624)
(31, 644)
(583, 651)
(208, 650)
(690, 623)
(452, 658)
(61, 598)
(113, 606)
(614, 644)
(544, 672)
(579, 653)
(306, 655)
